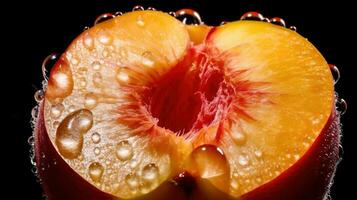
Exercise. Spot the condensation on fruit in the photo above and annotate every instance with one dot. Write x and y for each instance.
(56, 110)
(132, 180)
(90, 101)
(124, 150)
(150, 173)
(95, 171)
(69, 135)
(210, 161)
(104, 37)
(147, 59)
(243, 159)
(95, 137)
(140, 21)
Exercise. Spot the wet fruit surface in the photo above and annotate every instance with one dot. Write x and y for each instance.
(141, 101)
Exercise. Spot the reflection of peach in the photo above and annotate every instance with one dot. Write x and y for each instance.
(142, 106)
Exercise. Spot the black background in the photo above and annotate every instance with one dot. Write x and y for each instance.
(32, 30)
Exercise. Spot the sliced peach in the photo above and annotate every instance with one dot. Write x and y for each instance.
(150, 108)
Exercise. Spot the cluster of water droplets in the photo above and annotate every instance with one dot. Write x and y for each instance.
(256, 16)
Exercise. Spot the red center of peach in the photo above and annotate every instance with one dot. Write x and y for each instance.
(193, 94)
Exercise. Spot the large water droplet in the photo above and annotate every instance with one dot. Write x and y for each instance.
(150, 173)
(95, 137)
(210, 161)
(103, 17)
(278, 21)
(95, 171)
(47, 64)
(56, 110)
(38, 96)
(252, 16)
(61, 82)
(69, 135)
(132, 180)
(124, 150)
(341, 106)
(335, 72)
(90, 101)
(138, 8)
(189, 16)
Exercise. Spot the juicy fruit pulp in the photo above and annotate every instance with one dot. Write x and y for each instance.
(141, 98)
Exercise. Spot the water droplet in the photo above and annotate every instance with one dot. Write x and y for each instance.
(95, 171)
(56, 110)
(82, 83)
(34, 112)
(105, 53)
(47, 64)
(95, 137)
(223, 22)
(147, 59)
(140, 21)
(38, 96)
(97, 79)
(258, 153)
(90, 101)
(124, 150)
(239, 137)
(118, 13)
(103, 17)
(189, 16)
(31, 140)
(60, 84)
(104, 37)
(335, 72)
(96, 65)
(277, 21)
(296, 156)
(234, 184)
(86, 28)
(133, 163)
(150, 173)
(71, 108)
(243, 159)
(172, 14)
(138, 8)
(132, 180)
(96, 151)
(55, 124)
(151, 8)
(341, 105)
(266, 20)
(210, 161)
(252, 16)
(293, 28)
(69, 135)
(88, 41)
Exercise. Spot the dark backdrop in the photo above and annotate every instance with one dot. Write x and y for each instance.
(34, 29)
